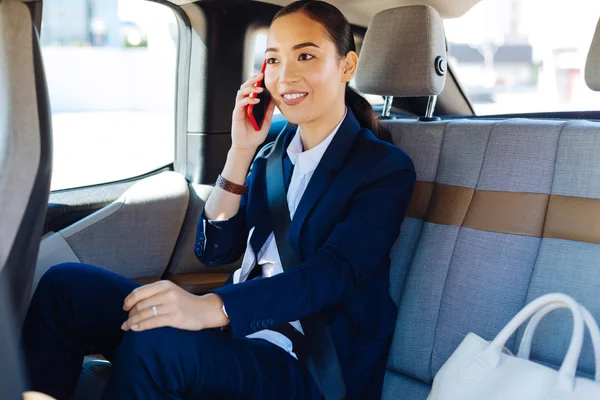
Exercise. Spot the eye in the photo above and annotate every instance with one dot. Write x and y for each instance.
(272, 61)
(305, 57)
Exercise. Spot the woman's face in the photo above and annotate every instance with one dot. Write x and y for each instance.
(304, 73)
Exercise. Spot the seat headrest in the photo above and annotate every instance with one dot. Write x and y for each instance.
(592, 65)
(403, 53)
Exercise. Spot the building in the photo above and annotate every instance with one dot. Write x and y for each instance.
(81, 23)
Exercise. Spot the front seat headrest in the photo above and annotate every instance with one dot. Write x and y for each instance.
(592, 65)
(403, 53)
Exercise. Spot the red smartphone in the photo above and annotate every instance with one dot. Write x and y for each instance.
(257, 112)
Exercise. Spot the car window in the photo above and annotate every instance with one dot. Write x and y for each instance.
(518, 56)
(110, 69)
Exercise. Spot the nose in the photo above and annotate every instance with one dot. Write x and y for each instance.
(288, 73)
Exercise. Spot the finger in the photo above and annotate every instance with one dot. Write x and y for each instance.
(159, 299)
(148, 313)
(143, 292)
(153, 323)
(239, 112)
(245, 92)
(269, 115)
(252, 81)
(240, 106)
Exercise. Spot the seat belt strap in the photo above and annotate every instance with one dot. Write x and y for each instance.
(322, 360)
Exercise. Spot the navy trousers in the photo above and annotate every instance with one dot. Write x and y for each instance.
(77, 309)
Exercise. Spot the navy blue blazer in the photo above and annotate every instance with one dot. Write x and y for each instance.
(343, 230)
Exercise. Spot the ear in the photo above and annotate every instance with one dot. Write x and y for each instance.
(349, 64)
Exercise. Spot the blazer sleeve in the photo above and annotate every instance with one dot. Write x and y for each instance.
(356, 247)
(222, 242)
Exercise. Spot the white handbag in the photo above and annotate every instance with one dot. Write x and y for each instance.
(479, 369)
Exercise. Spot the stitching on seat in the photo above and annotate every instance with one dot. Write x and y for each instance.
(545, 216)
(431, 375)
(412, 257)
(423, 228)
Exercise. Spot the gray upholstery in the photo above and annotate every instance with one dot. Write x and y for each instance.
(134, 236)
(54, 250)
(137, 239)
(25, 159)
(399, 52)
(19, 125)
(451, 279)
(504, 211)
(592, 65)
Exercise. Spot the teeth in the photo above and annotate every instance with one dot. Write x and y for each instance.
(294, 96)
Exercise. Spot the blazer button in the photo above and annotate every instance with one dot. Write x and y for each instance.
(253, 326)
(264, 324)
(270, 321)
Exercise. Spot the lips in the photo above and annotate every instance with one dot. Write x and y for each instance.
(293, 98)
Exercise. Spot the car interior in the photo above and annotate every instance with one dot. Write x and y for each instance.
(506, 207)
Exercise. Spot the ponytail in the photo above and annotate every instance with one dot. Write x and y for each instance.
(365, 115)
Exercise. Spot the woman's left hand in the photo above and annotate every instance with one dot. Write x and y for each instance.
(174, 307)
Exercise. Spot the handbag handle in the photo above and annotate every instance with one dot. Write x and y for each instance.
(588, 319)
(566, 374)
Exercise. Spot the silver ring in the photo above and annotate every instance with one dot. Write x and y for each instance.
(155, 311)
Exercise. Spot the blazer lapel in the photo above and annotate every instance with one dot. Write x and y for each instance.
(331, 162)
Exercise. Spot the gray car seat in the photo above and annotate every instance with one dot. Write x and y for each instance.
(25, 151)
(504, 211)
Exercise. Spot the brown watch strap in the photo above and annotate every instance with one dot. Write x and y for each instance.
(230, 186)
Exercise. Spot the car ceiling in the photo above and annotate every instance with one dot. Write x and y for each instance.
(360, 12)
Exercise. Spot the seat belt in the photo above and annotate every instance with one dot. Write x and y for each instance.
(322, 361)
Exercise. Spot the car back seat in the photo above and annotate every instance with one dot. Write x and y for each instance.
(133, 236)
(503, 212)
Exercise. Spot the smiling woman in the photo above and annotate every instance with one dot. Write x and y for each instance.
(296, 307)
(256, 47)
(315, 67)
(307, 80)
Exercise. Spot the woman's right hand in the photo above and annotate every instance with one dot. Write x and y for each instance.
(243, 135)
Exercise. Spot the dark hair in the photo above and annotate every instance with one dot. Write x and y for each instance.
(340, 32)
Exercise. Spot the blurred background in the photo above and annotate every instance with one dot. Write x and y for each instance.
(111, 74)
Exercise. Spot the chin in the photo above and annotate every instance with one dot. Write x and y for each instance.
(296, 117)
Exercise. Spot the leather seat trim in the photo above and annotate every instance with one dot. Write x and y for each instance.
(526, 214)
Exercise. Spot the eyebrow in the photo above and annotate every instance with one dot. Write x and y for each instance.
(296, 47)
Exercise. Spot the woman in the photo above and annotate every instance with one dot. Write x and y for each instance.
(347, 192)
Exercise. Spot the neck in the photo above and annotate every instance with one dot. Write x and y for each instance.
(314, 132)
